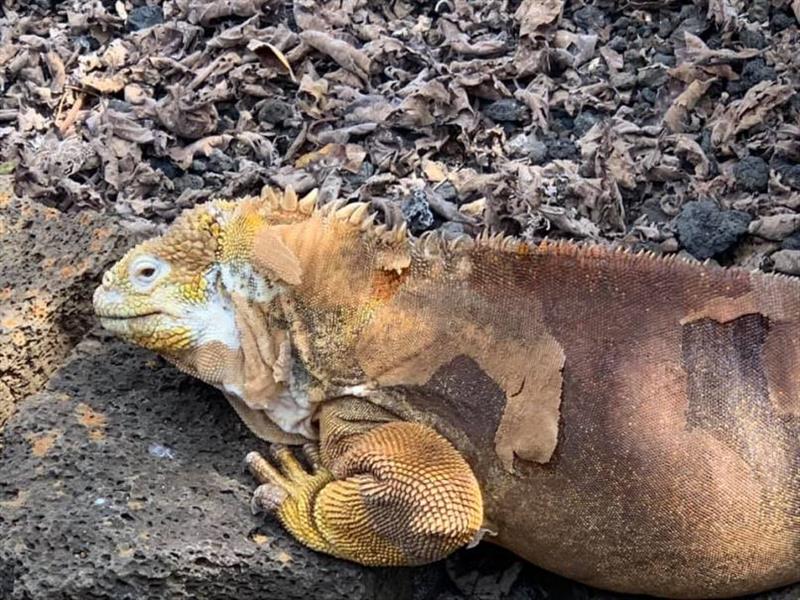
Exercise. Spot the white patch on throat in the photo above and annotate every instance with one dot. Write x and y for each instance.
(215, 321)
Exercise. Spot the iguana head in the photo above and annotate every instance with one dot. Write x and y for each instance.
(205, 296)
(163, 294)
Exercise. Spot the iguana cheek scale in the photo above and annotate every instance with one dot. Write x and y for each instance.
(625, 420)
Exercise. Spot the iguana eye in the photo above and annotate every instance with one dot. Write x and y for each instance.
(145, 270)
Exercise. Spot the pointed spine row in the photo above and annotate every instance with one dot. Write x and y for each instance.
(434, 243)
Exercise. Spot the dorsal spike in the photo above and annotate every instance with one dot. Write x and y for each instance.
(289, 199)
(308, 203)
(347, 210)
(369, 222)
(360, 213)
(268, 194)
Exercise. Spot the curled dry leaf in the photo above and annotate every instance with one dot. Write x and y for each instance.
(741, 115)
(105, 84)
(678, 112)
(183, 156)
(271, 56)
(534, 14)
(345, 55)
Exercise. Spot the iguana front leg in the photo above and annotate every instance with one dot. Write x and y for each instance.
(386, 493)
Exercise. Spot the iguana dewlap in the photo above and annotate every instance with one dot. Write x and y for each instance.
(624, 420)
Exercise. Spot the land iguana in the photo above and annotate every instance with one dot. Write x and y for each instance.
(622, 419)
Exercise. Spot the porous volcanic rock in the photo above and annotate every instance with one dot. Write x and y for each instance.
(49, 264)
(123, 479)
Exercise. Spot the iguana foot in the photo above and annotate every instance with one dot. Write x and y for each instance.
(397, 494)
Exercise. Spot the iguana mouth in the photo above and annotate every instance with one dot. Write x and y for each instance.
(128, 317)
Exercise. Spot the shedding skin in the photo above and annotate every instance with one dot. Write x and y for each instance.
(621, 419)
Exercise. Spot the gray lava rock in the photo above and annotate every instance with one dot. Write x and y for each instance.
(589, 18)
(786, 261)
(562, 149)
(219, 162)
(124, 480)
(791, 242)
(143, 17)
(275, 111)
(506, 109)
(789, 172)
(417, 212)
(752, 174)
(528, 146)
(585, 121)
(706, 231)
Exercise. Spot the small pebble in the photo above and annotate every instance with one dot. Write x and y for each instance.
(274, 111)
(160, 451)
(417, 212)
(786, 261)
(506, 109)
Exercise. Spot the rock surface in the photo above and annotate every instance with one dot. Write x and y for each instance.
(123, 480)
(49, 265)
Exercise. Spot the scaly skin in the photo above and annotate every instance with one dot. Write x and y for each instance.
(625, 420)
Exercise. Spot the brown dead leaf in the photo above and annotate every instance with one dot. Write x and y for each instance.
(105, 84)
(723, 12)
(675, 117)
(206, 12)
(345, 55)
(184, 156)
(347, 156)
(741, 115)
(533, 14)
(270, 56)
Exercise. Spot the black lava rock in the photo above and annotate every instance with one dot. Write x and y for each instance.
(562, 149)
(752, 39)
(275, 111)
(143, 17)
(782, 20)
(752, 174)
(589, 18)
(792, 242)
(789, 172)
(417, 213)
(585, 121)
(167, 167)
(706, 231)
(219, 162)
(506, 109)
(754, 71)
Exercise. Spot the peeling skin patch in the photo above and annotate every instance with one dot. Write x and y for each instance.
(93, 421)
(42, 443)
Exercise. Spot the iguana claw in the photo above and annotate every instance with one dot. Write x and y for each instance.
(284, 477)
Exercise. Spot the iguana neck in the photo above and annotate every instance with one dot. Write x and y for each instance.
(348, 273)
